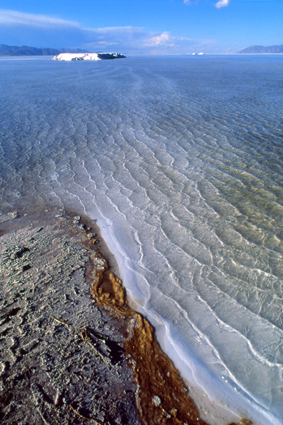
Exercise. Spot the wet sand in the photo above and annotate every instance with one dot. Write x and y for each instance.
(72, 350)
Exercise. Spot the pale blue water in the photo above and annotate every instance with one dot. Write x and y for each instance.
(180, 159)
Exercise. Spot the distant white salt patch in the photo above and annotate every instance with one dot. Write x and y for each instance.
(87, 56)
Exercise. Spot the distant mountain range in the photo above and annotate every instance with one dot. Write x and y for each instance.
(34, 51)
(262, 49)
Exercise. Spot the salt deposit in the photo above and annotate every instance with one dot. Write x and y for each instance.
(87, 56)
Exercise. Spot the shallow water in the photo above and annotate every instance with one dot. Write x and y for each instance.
(180, 159)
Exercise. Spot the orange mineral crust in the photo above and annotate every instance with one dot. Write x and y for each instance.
(161, 396)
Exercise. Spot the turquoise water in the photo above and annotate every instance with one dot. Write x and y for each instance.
(180, 160)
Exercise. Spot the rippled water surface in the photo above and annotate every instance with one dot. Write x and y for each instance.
(180, 159)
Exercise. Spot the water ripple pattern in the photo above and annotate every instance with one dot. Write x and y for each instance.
(181, 158)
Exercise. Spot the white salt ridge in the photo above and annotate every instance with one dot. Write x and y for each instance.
(217, 402)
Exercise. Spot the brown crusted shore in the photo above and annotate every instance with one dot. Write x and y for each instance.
(67, 358)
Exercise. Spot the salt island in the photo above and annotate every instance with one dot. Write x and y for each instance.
(87, 56)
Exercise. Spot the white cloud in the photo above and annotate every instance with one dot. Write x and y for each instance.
(222, 3)
(106, 43)
(14, 18)
(219, 4)
(40, 30)
(160, 40)
(107, 30)
(130, 38)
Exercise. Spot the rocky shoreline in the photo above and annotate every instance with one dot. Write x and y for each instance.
(62, 357)
(73, 351)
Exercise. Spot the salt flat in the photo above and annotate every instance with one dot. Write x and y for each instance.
(180, 161)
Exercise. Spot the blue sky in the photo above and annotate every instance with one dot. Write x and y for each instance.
(143, 26)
